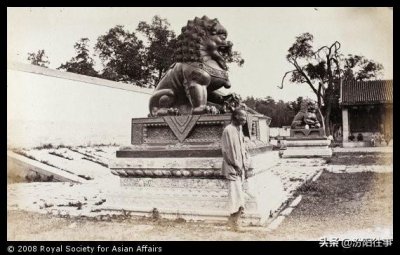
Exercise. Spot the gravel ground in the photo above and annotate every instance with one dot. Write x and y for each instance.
(342, 205)
(339, 205)
(361, 158)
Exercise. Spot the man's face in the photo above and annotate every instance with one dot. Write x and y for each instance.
(241, 118)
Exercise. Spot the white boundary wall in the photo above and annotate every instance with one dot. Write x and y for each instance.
(283, 131)
(50, 106)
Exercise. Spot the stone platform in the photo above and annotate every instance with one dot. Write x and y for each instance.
(307, 143)
(199, 191)
(174, 165)
(273, 187)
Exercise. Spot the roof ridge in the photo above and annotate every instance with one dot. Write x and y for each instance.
(367, 92)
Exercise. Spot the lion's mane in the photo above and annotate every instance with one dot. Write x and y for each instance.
(192, 37)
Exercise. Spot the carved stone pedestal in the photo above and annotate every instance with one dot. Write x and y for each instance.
(174, 165)
(192, 188)
(306, 143)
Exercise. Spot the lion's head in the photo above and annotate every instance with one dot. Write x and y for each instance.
(312, 106)
(304, 106)
(202, 39)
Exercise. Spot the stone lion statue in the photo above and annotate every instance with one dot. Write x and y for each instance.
(198, 72)
(311, 117)
(306, 117)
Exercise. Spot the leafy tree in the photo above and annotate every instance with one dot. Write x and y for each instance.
(360, 68)
(160, 48)
(161, 45)
(250, 102)
(123, 56)
(82, 63)
(39, 58)
(127, 58)
(234, 57)
(296, 105)
(323, 69)
(282, 113)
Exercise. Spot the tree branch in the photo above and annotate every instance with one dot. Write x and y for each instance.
(337, 45)
(284, 76)
(316, 53)
(308, 80)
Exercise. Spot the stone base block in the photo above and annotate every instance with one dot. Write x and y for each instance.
(193, 188)
(307, 143)
(306, 152)
(307, 133)
(196, 198)
(307, 148)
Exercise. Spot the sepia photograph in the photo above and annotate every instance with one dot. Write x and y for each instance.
(199, 124)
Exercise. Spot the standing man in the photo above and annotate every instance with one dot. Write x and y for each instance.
(234, 165)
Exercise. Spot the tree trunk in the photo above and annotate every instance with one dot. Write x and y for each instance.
(329, 94)
(319, 93)
(328, 116)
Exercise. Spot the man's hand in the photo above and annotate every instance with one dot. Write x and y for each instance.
(248, 173)
(238, 171)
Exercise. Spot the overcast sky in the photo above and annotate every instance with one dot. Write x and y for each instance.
(262, 35)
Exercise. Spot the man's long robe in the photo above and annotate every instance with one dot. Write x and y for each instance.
(235, 158)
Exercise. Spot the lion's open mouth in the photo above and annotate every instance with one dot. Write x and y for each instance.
(225, 49)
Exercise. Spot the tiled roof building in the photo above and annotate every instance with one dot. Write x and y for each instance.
(367, 111)
(367, 92)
